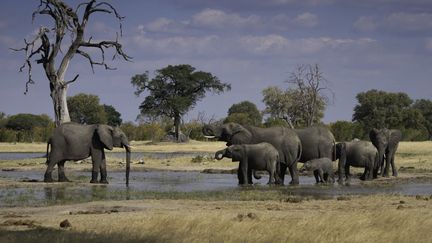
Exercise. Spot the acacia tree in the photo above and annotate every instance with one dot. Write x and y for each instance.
(46, 47)
(312, 90)
(175, 90)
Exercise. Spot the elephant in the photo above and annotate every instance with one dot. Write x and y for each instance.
(285, 140)
(317, 142)
(357, 154)
(261, 156)
(322, 169)
(72, 141)
(386, 141)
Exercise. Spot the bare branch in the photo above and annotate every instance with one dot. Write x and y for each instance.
(71, 81)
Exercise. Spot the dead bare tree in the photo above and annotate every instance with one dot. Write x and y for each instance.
(46, 48)
(313, 92)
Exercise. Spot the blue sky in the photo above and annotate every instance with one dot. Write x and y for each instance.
(252, 44)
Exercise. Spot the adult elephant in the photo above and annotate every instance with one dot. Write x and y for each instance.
(72, 141)
(386, 141)
(357, 154)
(317, 142)
(285, 140)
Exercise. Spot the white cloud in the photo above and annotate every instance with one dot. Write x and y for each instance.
(177, 45)
(409, 21)
(365, 23)
(279, 45)
(396, 22)
(162, 25)
(219, 19)
(306, 19)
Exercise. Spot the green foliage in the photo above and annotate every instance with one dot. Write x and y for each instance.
(175, 90)
(194, 129)
(425, 108)
(27, 122)
(26, 128)
(148, 131)
(289, 105)
(112, 115)
(347, 131)
(275, 122)
(245, 113)
(380, 109)
(85, 109)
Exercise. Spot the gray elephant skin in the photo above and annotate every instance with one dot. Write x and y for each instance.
(386, 141)
(261, 156)
(357, 154)
(322, 169)
(71, 141)
(317, 142)
(285, 140)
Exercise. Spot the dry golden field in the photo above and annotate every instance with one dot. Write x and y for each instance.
(276, 218)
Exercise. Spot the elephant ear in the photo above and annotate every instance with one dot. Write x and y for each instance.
(105, 135)
(240, 135)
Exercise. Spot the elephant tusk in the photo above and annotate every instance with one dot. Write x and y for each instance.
(209, 136)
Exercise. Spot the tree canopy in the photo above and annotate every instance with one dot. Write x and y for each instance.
(86, 109)
(112, 115)
(245, 113)
(380, 109)
(425, 108)
(27, 122)
(303, 103)
(175, 90)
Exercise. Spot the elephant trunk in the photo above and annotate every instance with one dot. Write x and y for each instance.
(220, 154)
(128, 156)
(380, 161)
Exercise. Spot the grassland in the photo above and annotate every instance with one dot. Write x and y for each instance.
(248, 216)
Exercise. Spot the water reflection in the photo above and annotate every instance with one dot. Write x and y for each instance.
(147, 184)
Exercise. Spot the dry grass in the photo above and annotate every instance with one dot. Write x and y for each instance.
(360, 219)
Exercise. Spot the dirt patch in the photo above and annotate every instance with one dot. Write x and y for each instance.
(103, 210)
(21, 222)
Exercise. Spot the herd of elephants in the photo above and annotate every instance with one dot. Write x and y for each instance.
(273, 149)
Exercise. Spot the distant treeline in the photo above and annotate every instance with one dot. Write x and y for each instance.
(375, 109)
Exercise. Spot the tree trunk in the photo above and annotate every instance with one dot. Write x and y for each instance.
(58, 95)
(176, 126)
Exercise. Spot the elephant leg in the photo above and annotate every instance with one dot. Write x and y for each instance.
(316, 175)
(249, 176)
(103, 170)
(321, 175)
(387, 165)
(347, 172)
(392, 159)
(282, 171)
(294, 174)
(271, 176)
(61, 173)
(52, 161)
(96, 155)
(243, 172)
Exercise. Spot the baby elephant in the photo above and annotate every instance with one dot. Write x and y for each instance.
(261, 156)
(322, 169)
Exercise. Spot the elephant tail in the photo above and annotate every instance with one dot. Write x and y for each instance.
(47, 151)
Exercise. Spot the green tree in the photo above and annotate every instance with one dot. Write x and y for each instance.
(85, 109)
(3, 119)
(175, 90)
(245, 113)
(29, 127)
(112, 115)
(346, 130)
(425, 108)
(379, 109)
